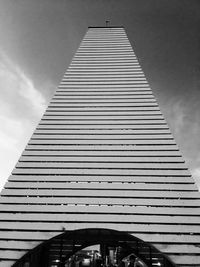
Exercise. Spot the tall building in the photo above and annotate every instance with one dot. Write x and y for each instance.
(101, 168)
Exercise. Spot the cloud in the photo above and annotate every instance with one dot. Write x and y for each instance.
(21, 106)
(183, 120)
(177, 116)
(196, 175)
(17, 87)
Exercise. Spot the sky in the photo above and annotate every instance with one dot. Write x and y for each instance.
(39, 38)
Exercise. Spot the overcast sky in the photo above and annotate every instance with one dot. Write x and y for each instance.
(39, 37)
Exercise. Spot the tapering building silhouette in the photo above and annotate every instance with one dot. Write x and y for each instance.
(101, 168)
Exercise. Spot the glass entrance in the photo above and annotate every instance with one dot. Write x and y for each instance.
(94, 248)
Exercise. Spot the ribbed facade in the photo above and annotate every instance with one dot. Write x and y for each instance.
(102, 156)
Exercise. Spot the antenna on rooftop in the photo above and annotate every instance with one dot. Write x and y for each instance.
(107, 23)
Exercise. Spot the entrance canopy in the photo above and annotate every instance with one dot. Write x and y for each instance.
(57, 251)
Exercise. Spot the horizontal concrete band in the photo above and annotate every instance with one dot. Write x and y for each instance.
(102, 156)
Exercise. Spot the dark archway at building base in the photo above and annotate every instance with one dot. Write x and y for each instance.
(56, 251)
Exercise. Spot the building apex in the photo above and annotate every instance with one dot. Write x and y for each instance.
(107, 27)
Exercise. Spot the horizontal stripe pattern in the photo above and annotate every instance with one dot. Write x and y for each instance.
(102, 156)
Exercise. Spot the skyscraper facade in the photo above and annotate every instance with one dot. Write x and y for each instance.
(101, 165)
